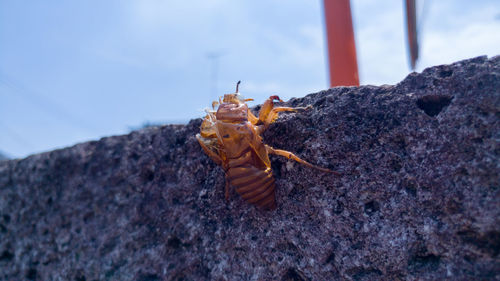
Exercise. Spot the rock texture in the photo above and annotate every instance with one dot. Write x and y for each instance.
(418, 198)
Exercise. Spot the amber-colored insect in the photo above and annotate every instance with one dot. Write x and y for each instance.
(230, 136)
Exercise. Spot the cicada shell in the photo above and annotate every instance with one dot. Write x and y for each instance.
(230, 135)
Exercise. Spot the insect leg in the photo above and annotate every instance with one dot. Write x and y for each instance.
(252, 118)
(273, 114)
(266, 109)
(292, 156)
(269, 113)
(216, 158)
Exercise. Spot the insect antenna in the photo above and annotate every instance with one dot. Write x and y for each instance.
(237, 86)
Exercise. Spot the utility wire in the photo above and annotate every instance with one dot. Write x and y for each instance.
(44, 103)
(16, 137)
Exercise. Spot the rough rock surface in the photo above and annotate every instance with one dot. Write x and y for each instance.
(418, 199)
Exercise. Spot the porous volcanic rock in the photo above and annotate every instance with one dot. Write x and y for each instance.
(418, 197)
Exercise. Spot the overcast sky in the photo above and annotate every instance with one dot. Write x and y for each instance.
(72, 71)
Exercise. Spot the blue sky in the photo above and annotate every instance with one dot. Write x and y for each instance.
(72, 71)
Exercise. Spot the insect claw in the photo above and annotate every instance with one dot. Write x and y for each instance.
(275, 98)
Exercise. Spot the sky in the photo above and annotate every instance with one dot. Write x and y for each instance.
(73, 71)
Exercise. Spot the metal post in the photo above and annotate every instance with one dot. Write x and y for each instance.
(411, 25)
(343, 64)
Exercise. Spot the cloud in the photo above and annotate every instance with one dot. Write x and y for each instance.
(380, 42)
(156, 14)
(473, 40)
(450, 31)
(261, 90)
(452, 35)
(147, 60)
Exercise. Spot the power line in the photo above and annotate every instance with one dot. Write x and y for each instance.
(16, 136)
(44, 103)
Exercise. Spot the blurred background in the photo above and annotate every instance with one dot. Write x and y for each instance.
(72, 71)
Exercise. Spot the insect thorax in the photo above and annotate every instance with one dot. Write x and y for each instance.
(232, 112)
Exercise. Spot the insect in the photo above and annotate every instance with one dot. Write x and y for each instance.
(230, 135)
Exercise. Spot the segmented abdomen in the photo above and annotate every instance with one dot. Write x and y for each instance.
(254, 185)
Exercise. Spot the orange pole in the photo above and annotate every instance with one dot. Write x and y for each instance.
(343, 64)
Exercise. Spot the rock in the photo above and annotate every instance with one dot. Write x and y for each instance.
(418, 199)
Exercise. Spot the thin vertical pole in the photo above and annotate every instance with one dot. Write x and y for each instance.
(343, 65)
(411, 25)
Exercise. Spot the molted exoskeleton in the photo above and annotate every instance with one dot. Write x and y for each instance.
(230, 135)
